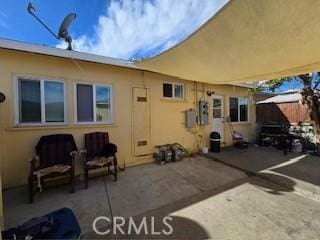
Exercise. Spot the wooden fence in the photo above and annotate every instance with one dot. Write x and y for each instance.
(282, 112)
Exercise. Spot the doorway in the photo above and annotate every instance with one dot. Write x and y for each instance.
(141, 121)
(218, 115)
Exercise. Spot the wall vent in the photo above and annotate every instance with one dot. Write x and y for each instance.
(142, 143)
(141, 99)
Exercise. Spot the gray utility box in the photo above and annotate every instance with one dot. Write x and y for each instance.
(191, 118)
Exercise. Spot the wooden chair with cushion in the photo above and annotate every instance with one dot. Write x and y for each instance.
(99, 153)
(55, 157)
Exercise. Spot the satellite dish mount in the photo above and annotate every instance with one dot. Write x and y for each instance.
(63, 29)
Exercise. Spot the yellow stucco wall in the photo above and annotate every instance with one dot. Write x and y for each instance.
(167, 116)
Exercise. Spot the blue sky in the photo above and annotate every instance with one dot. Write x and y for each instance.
(116, 28)
(295, 83)
(16, 23)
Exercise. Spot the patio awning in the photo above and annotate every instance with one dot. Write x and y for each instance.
(247, 40)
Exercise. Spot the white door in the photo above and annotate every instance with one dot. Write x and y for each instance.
(141, 121)
(218, 115)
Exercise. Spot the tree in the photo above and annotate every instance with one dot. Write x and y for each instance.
(310, 95)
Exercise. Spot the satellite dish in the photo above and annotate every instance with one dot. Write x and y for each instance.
(63, 30)
(65, 24)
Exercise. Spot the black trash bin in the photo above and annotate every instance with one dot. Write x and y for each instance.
(215, 141)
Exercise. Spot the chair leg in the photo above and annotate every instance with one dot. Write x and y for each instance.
(72, 182)
(115, 165)
(86, 176)
(115, 173)
(42, 184)
(30, 188)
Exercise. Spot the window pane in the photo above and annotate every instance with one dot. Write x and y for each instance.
(243, 102)
(84, 103)
(217, 108)
(234, 109)
(167, 90)
(30, 101)
(103, 104)
(178, 91)
(54, 101)
(216, 103)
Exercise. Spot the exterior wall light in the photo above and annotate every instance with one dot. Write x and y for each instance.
(209, 93)
(2, 97)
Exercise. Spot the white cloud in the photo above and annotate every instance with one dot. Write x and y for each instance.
(142, 28)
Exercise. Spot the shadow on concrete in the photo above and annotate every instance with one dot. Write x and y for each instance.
(287, 184)
(184, 228)
(253, 159)
(306, 169)
(257, 159)
(295, 170)
(153, 227)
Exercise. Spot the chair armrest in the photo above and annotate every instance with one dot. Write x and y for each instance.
(83, 156)
(73, 155)
(83, 152)
(33, 162)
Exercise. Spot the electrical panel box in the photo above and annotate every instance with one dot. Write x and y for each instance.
(191, 118)
(203, 112)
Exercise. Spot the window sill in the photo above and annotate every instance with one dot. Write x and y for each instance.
(241, 123)
(57, 127)
(92, 124)
(49, 124)
(173, 100)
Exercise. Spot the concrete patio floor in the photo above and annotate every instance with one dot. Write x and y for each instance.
(296, 171)
(206, 199)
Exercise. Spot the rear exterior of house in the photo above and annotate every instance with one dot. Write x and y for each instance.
(140, 109)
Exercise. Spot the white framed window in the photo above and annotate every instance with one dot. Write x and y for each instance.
(173, 90)
(238, 109)
(40, 101)
(94, 103)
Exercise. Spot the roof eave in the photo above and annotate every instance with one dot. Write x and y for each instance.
(57, 52)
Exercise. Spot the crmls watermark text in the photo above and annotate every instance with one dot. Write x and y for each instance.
(128, 226)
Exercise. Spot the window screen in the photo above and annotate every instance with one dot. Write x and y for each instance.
(30, 101)
(234, 109)
(178, 91)
(103, 106)
(54, 101)
(243, 108)
(84, 103)
(167, 90)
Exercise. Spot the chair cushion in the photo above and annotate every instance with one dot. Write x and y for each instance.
(60, 169)
(101, 161)
(54, 169)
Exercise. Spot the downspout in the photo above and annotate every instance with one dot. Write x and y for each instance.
(2, 99)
